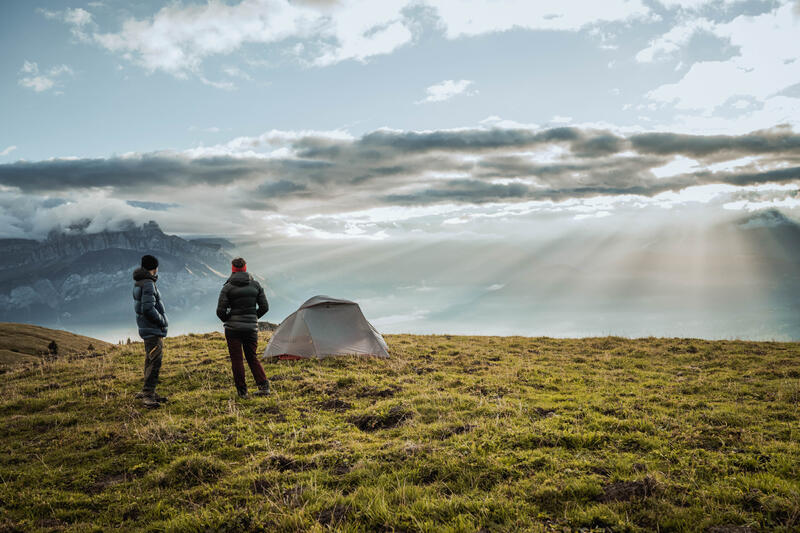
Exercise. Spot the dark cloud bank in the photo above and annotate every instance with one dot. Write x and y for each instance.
(470, 165)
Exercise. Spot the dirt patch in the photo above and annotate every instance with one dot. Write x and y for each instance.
(333, 515)
(107, 482)
(284, 463)
(448, 432)
(335, 404)
(490, 390)
(206, 362)
(544, 413)
(268, 410)
(49, 524)
(624, 491)
(340, 469)
(382, 419)
(273, 412)
(378, 392)
(731, 529)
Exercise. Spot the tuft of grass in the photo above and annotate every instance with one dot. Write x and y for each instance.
(191, 470)
(451, 434)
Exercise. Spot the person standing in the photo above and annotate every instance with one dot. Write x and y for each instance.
(241, 303)
(151, 318)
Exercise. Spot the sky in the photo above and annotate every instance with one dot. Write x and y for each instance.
(402, 123)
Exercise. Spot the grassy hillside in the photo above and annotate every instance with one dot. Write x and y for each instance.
(25, 343)
(451, 434)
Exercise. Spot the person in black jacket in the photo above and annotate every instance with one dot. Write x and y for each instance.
(151, 318)
(241, 303)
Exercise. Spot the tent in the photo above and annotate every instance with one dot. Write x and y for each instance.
(323, 327)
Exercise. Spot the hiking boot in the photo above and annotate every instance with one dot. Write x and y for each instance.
(156, 396)
(150, 402)
(242, 391)
(263, 389)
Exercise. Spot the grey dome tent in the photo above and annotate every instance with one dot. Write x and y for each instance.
(324, 327)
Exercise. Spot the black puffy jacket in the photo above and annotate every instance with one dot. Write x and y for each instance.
(150, 315)
(242, 302)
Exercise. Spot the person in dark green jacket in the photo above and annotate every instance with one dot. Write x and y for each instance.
(241, 303)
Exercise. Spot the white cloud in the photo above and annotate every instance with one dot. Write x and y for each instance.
(474, 17)
(749, 205)
(178, 37)
(679, 165)
(597, 214)
(33, 78)
(78, 19)
(693, 4)
(447, 89)
(775, 110)
(225, 85)
(672, 41)
(767, 63)
(495, 121)
(360, 29)
(7, 151)
(236, 72)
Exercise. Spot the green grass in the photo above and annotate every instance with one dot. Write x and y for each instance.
(25, 344)
(451, 434)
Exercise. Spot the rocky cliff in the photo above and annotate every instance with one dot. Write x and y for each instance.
(79, 276)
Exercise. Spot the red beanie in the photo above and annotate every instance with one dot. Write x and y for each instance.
(242, 268)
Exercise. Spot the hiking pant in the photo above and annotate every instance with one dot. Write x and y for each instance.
(153, 349)
(247, 341)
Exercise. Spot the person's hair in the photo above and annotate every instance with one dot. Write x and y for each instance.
(149, 262)
(238, 262)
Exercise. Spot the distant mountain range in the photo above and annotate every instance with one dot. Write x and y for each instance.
(76, 278)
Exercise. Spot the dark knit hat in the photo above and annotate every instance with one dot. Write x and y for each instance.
(149, 262)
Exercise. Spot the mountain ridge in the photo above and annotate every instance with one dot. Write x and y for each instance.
(74, 275)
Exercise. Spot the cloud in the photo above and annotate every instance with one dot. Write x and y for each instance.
(768, 62)
(179, 37)
(694, 5)
(152, 206)
(674, 40)
(332, 185)
(224, 85)
(7, 150)
(461, 18)
(447, 89)
(79, 20)
(281, 188)
(776, 140)
(32, 78)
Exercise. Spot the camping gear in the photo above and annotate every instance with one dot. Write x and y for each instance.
(324, 327)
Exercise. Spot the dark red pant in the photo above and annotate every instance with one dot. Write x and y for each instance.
(247, 341)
